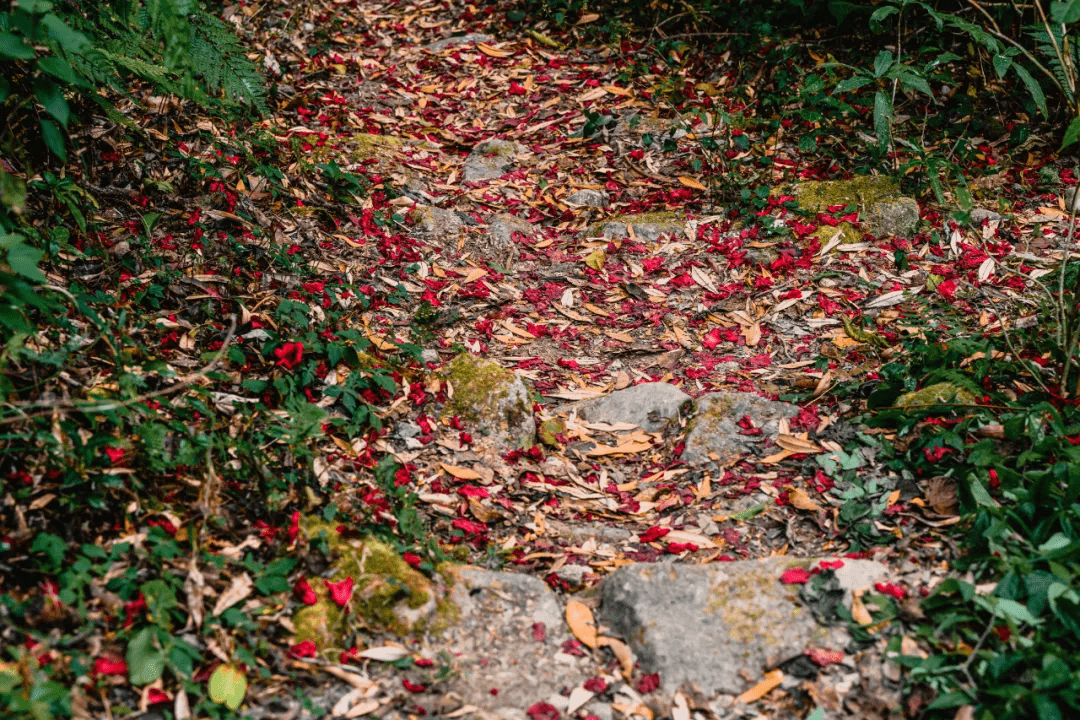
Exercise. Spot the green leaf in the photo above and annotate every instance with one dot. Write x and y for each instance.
(145, 660)
(1033, 87)
(54, 139)
(1065, 12)
(882, 13)
(24, 260)
(52, 99)
(12, 193)
(883, 113)
(228, 686)
(1016, 611)
(1072, 133)
(852, 83)
(882, 63)
(57, 67)
(12, 47)
(68, 39)
(1002, 64)
(1056, 542)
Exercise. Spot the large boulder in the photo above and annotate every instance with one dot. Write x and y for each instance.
(650, 406)
(715, 433)
(493, 400)
(720, 626)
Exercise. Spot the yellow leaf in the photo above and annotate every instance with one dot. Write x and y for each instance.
(596, 259)
(691, 183)
(771, 680)
(580, 619)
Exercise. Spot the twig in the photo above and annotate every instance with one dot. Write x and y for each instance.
(183, 382)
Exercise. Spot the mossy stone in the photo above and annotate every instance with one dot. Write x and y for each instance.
(388, 594)
(944, 393)
(367, 146)
(861, 192)
(491, 397)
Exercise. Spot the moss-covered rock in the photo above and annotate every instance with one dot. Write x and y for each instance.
(387, 593)
(492, 399)
(366, 146)
(860, 192)
(886, 212)
(944, 393)
(849, 235)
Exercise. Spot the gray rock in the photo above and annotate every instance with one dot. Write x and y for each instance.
(502, 227)
(979, 214)
(761, 255)
(440, 45)
(648, 227)
(437, 224)
(493, 644)
(405, 430)
(714, 427)
(573, 574)
(430, 356)
(589, 198)
(490, 160)
(704, 624)
(893, 217)
(650, 406)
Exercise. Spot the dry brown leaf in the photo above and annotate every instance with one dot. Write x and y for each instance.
(771, 680)
(580, 619)
(801, 500)
(461, 473)
(493, 52)
(691, 183)
(621, 652)
(240, 588)
(859, 613)
(941, 493)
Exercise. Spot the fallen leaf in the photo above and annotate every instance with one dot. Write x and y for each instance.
(801, 500)
(578, 697)
(691, 183)
(493, 52)
(461, 473)
(384, 653)
(771, 680)
(239, 589)
(580, 619)
(622, 654)
(859, 613)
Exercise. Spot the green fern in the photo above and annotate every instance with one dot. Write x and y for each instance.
(176, 46)
(1045, 50)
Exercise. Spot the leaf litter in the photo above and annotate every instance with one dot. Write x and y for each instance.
(575, 307)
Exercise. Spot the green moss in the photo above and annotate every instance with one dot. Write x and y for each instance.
(549, 429)
(653, 218)
(848, 234)
(388, 594)
(860, 191)
(939, 394)
(478, 385)
(367, 146)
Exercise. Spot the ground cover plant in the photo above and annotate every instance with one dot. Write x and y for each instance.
(245, 244)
